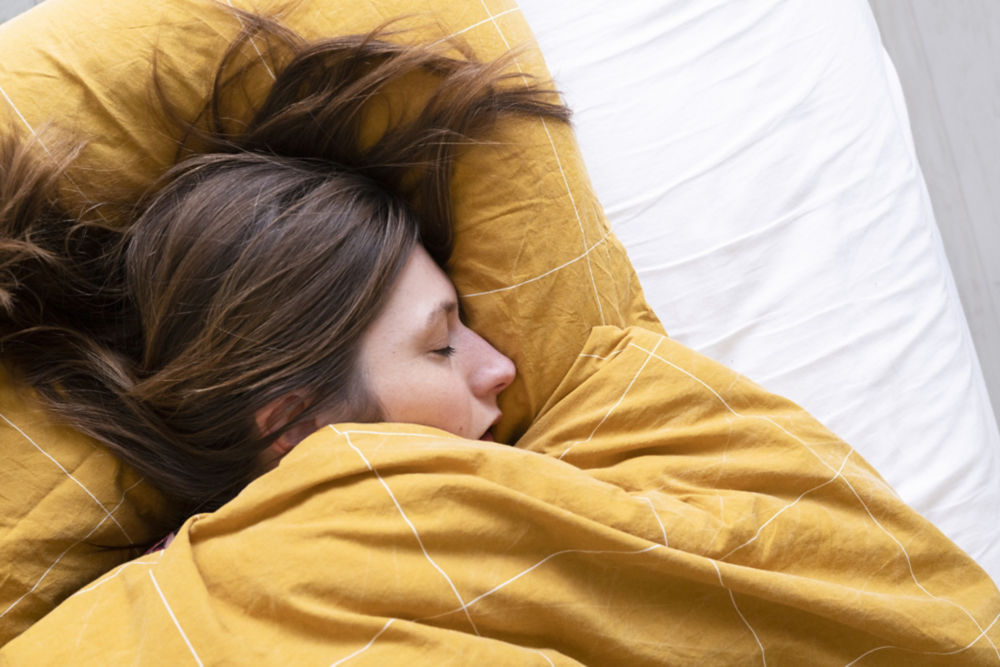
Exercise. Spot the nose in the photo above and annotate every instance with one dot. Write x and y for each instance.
(492, 371)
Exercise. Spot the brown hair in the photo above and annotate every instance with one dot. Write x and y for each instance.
(253, 267)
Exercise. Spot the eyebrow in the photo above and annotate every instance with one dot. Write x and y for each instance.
(443, 308)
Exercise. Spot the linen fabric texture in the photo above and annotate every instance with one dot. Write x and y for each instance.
(534, 259)
(661, 510)
(658, 507)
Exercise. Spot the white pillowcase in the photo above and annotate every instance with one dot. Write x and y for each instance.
(757, 162)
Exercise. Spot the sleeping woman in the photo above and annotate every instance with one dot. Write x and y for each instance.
(285, 274)
(288, 273)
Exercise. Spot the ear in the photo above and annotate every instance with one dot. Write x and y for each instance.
(276, 415)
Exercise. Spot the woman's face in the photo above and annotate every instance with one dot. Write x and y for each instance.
(423, 365)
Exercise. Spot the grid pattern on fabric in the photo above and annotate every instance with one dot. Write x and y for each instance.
(735, 528)
(100, 93)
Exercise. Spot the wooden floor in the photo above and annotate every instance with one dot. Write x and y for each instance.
(947, 54)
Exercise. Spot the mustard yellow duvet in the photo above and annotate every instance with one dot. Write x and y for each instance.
(662, 509)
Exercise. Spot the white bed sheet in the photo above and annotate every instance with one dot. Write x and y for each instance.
(756, 159)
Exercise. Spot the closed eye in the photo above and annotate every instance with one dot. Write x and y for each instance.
(446, 351)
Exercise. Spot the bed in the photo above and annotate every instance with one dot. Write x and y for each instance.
(779, 223)
(755, 162)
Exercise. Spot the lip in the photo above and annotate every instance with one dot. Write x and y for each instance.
(488, 435)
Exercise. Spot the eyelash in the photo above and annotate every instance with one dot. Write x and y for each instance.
(446, 351)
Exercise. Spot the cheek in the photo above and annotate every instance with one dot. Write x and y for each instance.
(430, 394)
(408, 390)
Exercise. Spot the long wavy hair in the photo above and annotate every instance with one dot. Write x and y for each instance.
(253, 267)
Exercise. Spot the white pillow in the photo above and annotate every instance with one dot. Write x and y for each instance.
(757, 162)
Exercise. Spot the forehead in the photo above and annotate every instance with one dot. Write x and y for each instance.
(420, 274)
(421, 291)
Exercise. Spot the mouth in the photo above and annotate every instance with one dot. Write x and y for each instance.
(488, 435)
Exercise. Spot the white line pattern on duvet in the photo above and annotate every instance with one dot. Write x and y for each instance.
(70, 475)
(562, 172)
(730, 408)
(66, 551)
(732, 597)
(426, 436)
(170, 611)
(409, 523)
(579, 218)
(597, 356)
(447, 442)
(253, 42)
(913, 575)
(844, 478)
(790, 505)
(888, 647)
(649, 355)
(41, 142)
(118, 570)
(556, 269)
(656, 514)
(49, 568)
(476, 25)
(506, 583)
(21, 116)
(366, 646)
(547, 658)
